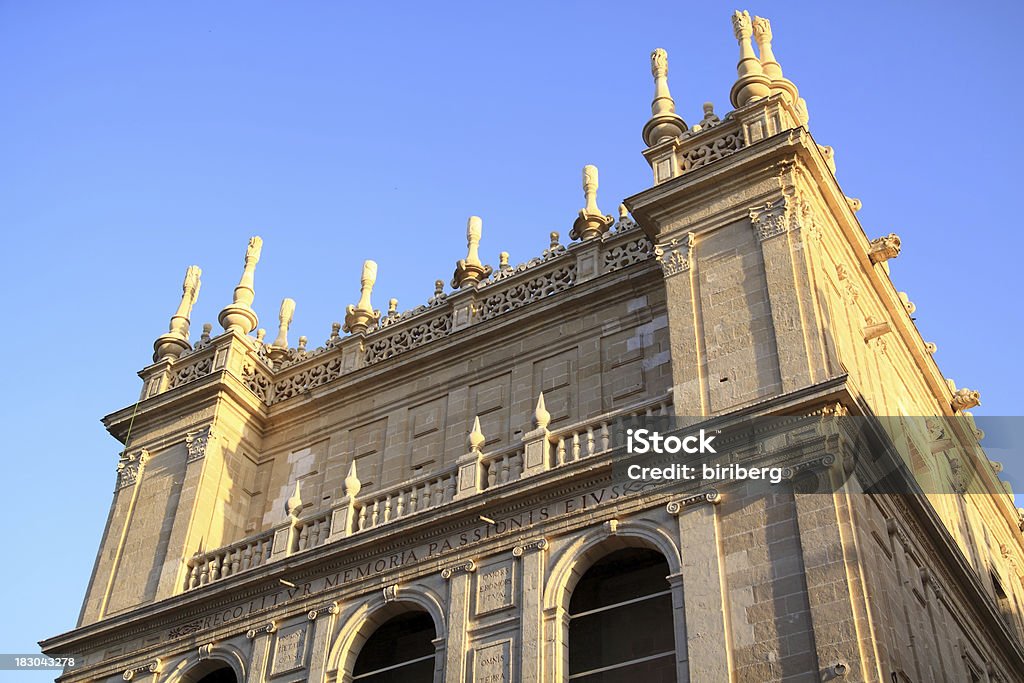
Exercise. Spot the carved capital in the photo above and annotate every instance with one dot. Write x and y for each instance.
(152, 667)
(129, 467)
(824, 462)
(467, 566)
(197, 441)
(779, 216)
(329, 608)
(269, 627)
(710, 496)
(673, 256)
(539, 544)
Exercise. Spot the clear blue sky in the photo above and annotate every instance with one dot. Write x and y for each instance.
(138, 138)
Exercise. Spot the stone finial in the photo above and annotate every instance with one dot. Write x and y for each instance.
(392, 308)
(335, 333)
(302, 344)
(965, 399)
(751, 82)
(665, 123)
(284, 318)
(294, 505)
(361, 316)
(623, 213)
(352, 483)
(773, 70)
(591, 222)
(476, 436)
(239, 316)
(503, 261)
(470, 270)
(260, 334)
(884, 248)
(175, 342)
(541, 416)
(204, 338)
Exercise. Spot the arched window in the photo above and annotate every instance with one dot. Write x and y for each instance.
(620, 621)
(210, 671)
(401, 650)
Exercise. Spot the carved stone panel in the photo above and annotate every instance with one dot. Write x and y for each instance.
(556, 377)
(495, 588)
(426, 433)
(622, 369)
(492, 662)
(289, 649)
(490, 400)
(367, 444)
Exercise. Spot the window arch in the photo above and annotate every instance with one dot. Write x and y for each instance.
(401, 650)
(620, 620)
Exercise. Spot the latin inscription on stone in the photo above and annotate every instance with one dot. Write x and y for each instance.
(290, 649)
(494, 588)
(491, 663)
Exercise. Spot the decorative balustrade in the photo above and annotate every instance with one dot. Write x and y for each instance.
(602, 433)
(207, 567)
(503, 467)
(426, 492)
(416, 495)
(310, 532)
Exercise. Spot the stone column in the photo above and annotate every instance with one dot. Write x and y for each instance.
(531, 635)
(458, 577)
(705, 633)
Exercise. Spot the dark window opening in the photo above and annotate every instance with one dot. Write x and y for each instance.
(401, 650)
(620, 621)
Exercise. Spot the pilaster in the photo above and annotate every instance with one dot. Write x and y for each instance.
(532, 561)
(708, 656)
(458, 577)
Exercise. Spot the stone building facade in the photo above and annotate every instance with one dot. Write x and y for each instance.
(431, 495)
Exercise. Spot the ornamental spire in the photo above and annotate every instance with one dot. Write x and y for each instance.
(751, 83)
(591, 222)
(239, 316)
(773, 70)
(470, 270)
(175, 342)
(361, 316)
(664, 123)
(279, 349)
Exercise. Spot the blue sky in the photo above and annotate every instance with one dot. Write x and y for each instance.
(139, 138)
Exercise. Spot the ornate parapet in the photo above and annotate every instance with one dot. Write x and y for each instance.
(273, 373)
(713, 140)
